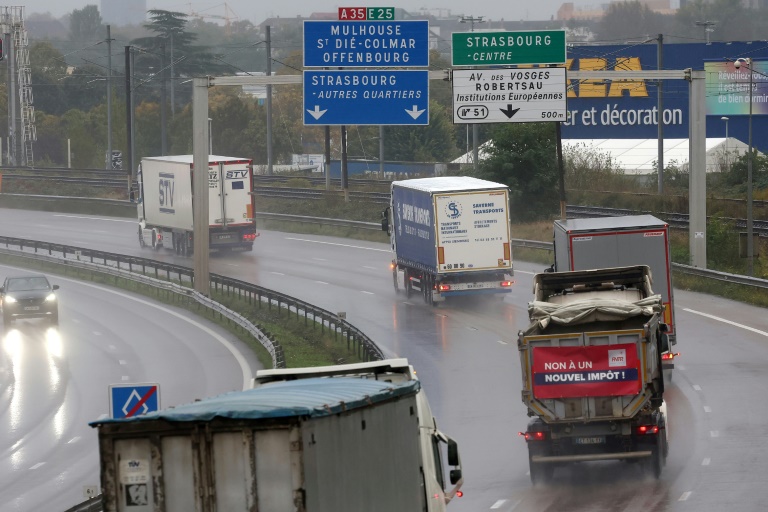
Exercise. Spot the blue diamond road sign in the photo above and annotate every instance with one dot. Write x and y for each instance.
(129, 400)
(366, 44)
(397, 97)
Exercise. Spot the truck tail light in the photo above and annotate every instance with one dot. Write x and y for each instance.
(533, 436)
(444, 287)
(647, 430)
(668, 356)
(159, 236)
(249, 237)
(391, 266)
(506, 284)
(459, 493)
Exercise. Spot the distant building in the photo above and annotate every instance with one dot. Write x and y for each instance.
(123, 12)
(568, 11)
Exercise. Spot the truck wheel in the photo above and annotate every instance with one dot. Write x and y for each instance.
(141, 238)
(155, 246)
(655, 462)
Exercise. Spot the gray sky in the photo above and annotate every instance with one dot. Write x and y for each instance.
(258, 10)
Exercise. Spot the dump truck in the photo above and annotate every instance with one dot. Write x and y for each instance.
(604, 242)
(591, 370)
(166, 197)
(330, 439)
(450, 236)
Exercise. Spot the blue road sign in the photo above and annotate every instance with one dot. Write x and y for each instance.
(397, 97)
(366, 44)
(128, 400)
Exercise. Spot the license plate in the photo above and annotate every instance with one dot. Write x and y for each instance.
(224, 237)
(589, 440)
(31, 308)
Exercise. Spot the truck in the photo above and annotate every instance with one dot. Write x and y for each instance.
(591, 370)
(450, 236)
(604, 242)
(328, 439)
(165, 187)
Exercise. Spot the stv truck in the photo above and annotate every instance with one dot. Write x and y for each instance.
(604, 242)
(335, 439)
(591, 369)
(450, 236)
(165, 203)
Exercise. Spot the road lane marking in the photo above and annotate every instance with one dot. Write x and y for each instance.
(367, 293)
(73, 440)
(96, 333)
(37, 465)
(93, 218)
(319, 259)
(371, 268)
(498, 504)
(123, 361)
(503, 343)
(126, 378)
(696, 387)
(705, 462)
(409, 303)
(321, 282)
(277, 273)
(729, 322)
(685, 496)
(714, 433)
(338, 245)
(524, 272)
(707, 408)
(232, 265)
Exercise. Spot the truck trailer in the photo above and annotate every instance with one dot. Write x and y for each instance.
(604, 242)
(591, 370)
(450, 236)
(166, 197)
(334, 439)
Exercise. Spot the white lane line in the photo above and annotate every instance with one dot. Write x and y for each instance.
(319, 259)
(93, 218)
(37, 465)
(714, 433)
(469, 327)
(112, 347)
(73, 440)
(339, 245)
(321, 282)
(123, 362)
(126, 378)
(371, 268)
(705, 462)
(503, 343)
(707, 408)
(524, 272)
(409, 303)
(277, 273)
(232, 265)
(441, 315)
(685, 496)
(498, 504)
(680, 367)
(96, 333)
(729, 322)
(367, 293)
(696, 387)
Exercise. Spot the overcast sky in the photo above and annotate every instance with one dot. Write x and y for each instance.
(257, 10)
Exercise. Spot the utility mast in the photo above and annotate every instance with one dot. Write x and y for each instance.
(12, 23)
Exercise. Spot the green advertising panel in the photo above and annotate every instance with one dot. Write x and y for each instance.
(508, 48)
(728, 88)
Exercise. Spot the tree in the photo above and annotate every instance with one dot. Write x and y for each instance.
(524, 157)
(630, 20)
(431, 143)
(85, 24)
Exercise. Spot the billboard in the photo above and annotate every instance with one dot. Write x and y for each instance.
(728, 88)
(628, 109)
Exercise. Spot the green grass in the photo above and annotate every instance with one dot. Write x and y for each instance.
(303, 341)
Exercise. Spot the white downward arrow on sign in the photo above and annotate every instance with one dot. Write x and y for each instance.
(415, 113)
(317, 113)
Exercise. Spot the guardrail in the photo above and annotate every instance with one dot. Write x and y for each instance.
(164, 276)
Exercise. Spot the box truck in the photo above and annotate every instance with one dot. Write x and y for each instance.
(334, 439)
(166, 197)
(450, 236)
(591, 369)
(581, 244)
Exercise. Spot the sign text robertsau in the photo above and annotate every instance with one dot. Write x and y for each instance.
(508, 48)
(496, 95)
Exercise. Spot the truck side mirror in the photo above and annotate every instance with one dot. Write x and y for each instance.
(453, 455)
(385, 221)
(455, 476)
(664, 343)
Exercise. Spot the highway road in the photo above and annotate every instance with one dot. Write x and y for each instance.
(53, 381)
(465, 354)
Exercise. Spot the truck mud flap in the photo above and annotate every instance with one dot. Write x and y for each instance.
(591, 457)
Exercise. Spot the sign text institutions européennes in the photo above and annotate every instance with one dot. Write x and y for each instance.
(497, 95)
(508, 48)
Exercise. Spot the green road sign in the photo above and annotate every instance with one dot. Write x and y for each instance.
(508, 48)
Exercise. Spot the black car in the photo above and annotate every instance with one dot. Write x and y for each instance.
(29, 297)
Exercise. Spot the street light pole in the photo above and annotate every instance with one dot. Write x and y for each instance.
(727, 167)
(750, 249)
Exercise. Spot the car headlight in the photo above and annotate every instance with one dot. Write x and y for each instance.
(51, 297)
(9, 299)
